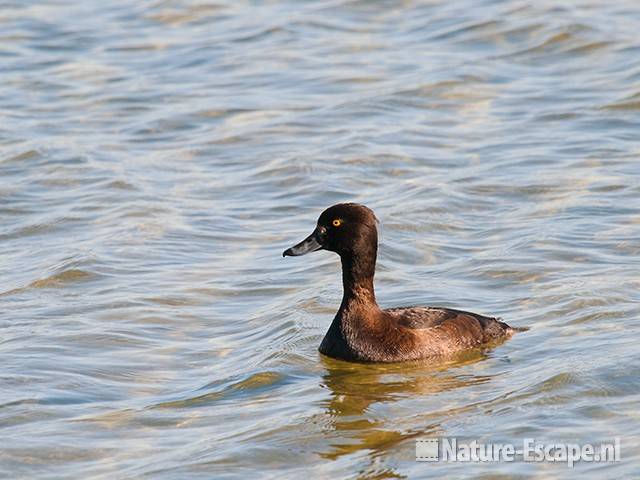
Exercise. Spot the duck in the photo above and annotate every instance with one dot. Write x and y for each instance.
(361, 331)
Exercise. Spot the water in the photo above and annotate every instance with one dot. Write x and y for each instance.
(157, 157)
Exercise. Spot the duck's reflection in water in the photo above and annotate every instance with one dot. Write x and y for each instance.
(357, 390)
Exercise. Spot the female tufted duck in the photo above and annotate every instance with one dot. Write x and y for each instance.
(361, 331)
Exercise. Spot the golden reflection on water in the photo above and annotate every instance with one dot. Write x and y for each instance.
(357, 388)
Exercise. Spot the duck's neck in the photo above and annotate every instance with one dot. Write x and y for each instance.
(357, 279)
(359, 312)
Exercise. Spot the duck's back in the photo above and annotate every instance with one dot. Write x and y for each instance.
(445, 330)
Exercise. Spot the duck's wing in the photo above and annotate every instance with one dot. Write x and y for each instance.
(429, 317)
(420, 317)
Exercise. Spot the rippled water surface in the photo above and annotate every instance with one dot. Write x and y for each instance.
(156, 157)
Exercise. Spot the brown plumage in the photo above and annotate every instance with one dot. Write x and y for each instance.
(361, 331)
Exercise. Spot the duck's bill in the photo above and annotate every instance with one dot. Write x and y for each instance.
(308, 245)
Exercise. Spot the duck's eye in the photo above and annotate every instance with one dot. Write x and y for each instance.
(337, 222)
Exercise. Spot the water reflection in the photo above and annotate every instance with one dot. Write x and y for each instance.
(356, 389)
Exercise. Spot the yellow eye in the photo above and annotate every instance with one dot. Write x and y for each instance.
(337, 222)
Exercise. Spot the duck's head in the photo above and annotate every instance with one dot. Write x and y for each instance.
(345, 228)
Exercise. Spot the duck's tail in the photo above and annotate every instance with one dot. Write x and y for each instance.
(509, 330)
